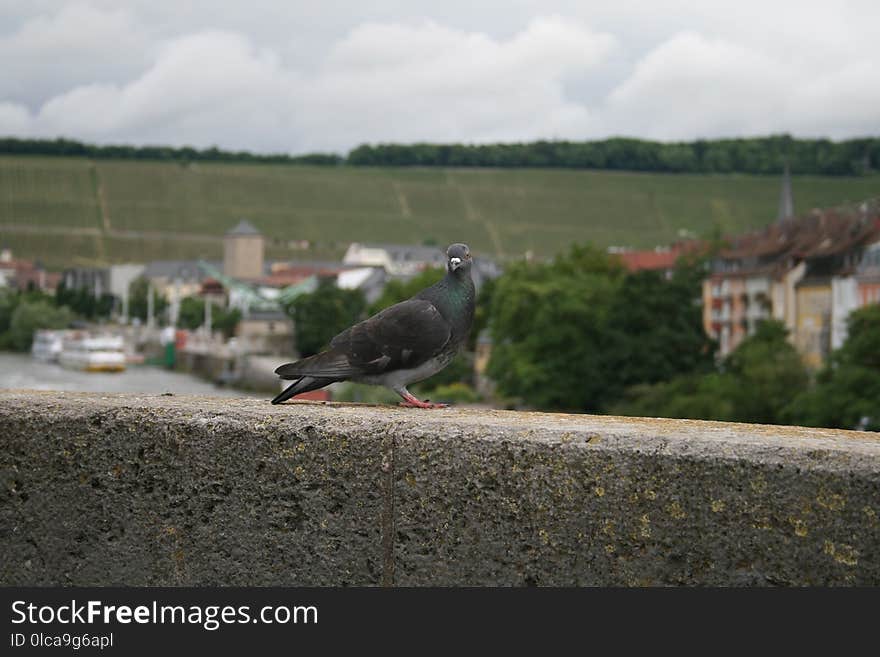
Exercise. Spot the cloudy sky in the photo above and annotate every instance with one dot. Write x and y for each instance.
(292, 76)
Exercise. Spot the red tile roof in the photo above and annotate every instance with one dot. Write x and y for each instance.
(650, 260)
(284, 276)
(657, 259)
(819, 234)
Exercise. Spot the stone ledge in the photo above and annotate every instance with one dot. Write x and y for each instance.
(160, 490)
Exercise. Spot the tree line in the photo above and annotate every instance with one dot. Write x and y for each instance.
(71, 148)
(756, 155)
(759, 155)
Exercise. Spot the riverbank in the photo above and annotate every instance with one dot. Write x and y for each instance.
(20, 371)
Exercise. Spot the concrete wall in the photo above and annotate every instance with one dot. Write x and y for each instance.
(158, 490)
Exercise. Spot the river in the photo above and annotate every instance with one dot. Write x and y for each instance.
(22, 371)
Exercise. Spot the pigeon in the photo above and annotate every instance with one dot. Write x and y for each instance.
(403, 344)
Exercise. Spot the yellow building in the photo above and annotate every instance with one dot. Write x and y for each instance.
(813, 335)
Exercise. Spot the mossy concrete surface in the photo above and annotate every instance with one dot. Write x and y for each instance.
(177, 490)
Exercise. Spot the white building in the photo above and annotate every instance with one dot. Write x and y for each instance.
(396, 259)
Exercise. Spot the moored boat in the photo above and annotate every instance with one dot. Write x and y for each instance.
(47, 345)
(93, 353)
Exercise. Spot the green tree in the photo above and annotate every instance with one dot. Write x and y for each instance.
(548, 325)
(762, 155)
(756, 383)
(848, 395)
(693, 396)
(83, 302)
(8, 302)
(862, 345)
(32, 315)
(848, 390)
(137, 300)
(192, 315)
(577, 332)
(225, 320)
(769, 372)
(319, 316)
(655, 330)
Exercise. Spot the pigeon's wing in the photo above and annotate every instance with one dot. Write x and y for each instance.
(402, 336)
(331, 364)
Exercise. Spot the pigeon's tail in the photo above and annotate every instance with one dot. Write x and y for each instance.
(304, 384)
(330, 364)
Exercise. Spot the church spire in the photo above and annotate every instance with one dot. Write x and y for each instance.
(786, 200)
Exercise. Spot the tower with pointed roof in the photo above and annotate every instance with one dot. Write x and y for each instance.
(243, 249)
(786, 199)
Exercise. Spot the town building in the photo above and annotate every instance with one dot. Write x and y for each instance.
(265, 332)
(369, 280)
(662, 259)
(175, 280)
(867, 275)
(404, 261)
(804, 271)
(243, 252)
(26, 274)
(114, 280)
(396, 259)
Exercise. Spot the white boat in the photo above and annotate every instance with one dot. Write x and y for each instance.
(47, 345)
(93, 353)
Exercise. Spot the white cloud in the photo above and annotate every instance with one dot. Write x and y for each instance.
(212, 80)
(79, 44)
(692, 86)
(840, 104)
(14, 119)
(302, 77)
(381, 82)
(429, 82)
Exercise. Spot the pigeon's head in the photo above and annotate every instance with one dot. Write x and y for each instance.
(458, 258)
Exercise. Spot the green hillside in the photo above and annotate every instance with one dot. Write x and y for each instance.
(77, 211)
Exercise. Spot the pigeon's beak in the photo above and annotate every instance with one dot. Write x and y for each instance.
(454, 263)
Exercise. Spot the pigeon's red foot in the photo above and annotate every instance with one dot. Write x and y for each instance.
(421, 404)
(409, 401)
